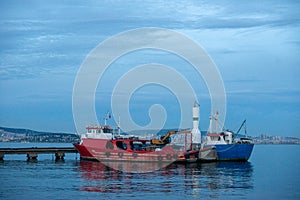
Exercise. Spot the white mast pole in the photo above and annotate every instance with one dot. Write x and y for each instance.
(210, 124)
(196, 134)
(217, 122)
(119, 126)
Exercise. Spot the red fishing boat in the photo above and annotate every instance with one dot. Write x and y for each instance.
(100, 143)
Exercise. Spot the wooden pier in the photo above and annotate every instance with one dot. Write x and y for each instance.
(32, 153)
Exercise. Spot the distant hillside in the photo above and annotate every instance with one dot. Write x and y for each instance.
(27, 135)
(26, 131)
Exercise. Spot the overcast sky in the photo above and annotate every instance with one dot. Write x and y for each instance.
(254, 44)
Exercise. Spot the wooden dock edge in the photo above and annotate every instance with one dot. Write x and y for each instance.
(33, 152)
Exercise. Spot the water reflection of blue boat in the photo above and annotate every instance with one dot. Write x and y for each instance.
(214, 180)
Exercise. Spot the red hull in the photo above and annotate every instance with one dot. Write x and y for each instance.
(84, 148)
(166, 155)
(98, 149)
(84, 153)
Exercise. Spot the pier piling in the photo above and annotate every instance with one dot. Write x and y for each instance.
(32, 156)
(59, 156)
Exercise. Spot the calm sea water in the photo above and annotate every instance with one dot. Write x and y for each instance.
(273, 172)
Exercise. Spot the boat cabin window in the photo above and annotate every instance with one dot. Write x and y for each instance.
(215, 138)
(89, 131)
(107, 130)
(138, 145)
(121, 145)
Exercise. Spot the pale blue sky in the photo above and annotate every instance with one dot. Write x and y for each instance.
(255, 45)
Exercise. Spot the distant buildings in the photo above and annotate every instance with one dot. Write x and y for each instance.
(6, 136)
(267, 139)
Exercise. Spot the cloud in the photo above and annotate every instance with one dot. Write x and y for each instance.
(71, 30)
(258, 95)
(254, 44)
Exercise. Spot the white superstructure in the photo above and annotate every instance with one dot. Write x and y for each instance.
(99, 132)
(195, 131)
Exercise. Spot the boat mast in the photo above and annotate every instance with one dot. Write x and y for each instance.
(119, 126)
(210, 124)
(215, 118)
(243, 125)
(106, 118)
(196, 134)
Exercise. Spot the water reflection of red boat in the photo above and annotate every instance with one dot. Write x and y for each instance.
(193, 179)
(96, 171)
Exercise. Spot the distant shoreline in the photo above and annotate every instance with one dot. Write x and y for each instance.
(30, 136)
(277, 143)
(76, 142)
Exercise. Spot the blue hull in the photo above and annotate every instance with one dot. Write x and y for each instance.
(234, 152)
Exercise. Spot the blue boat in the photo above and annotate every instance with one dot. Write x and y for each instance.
(226, 146)
(234, 152)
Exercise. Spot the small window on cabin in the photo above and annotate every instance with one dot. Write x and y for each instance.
(107, 130)
(121, 145)
(89, 131)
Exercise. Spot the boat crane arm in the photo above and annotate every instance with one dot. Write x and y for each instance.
(243, 124)
(164, 140)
